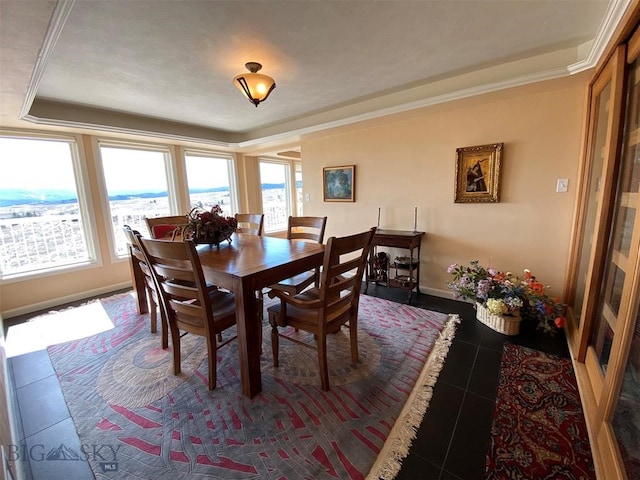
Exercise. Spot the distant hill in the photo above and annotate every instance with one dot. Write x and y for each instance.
(15, 196)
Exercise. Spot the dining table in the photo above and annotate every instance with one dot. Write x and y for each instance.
(246, 265)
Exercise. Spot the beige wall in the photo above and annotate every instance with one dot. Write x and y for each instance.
(408, 160)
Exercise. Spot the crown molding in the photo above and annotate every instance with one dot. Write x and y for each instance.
(615, 11)
(58, 19)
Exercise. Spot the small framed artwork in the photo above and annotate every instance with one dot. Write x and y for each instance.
(339, 183)
(478, 174)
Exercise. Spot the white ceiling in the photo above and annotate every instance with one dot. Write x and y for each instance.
(165, 67)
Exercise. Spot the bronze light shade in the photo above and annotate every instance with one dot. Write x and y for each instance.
(253, 85)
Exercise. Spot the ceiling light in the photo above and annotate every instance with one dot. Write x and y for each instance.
(255, 86)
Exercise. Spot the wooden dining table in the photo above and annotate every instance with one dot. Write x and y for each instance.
(248, 264)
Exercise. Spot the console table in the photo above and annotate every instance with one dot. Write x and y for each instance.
(401, 272)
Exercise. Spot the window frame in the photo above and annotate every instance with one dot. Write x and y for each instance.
(169, 167)
(85, 206)
(231, 173)
(299, 207)
(290, 187)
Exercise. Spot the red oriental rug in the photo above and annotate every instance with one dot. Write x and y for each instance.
(121, 392)
(538, 430)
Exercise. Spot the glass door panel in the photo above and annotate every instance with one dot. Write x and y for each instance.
(624, 228)
(600, 106)
(626, 417)
(618, 249)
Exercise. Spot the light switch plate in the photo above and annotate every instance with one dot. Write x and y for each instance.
(562, 185)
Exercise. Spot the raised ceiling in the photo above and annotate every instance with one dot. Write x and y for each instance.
(165, 67)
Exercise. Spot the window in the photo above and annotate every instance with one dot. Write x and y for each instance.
(299, 200)
(43, 213)
(137, 186)
(276, 187)
(209, 181)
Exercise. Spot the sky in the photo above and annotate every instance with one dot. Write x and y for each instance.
(51, 167)
(49, 164)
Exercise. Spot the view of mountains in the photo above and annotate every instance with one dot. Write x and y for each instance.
(16, 196)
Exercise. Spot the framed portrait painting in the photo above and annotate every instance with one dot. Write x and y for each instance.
(339, 183)
(478, 174)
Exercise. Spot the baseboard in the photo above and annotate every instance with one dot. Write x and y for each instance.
(437, 292)
(57, 302)
(589, 407)
(5, 470)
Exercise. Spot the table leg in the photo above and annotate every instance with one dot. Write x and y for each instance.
(367, 273)
(418, 272)
(139, 286)
(249, 337)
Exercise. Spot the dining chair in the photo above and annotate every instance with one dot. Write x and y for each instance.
(189, 305)
(165, 227)
(152, 295)
(250, 223)
(325, 309)
(308, 229)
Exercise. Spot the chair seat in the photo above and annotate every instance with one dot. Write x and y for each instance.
(223, 305)
(301, 317)
(307, 295)
(223, 309)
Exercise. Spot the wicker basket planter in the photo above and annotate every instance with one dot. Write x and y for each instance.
(505, 324)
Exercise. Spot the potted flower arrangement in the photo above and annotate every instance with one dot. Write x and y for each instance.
(502, 299)
(210, 227)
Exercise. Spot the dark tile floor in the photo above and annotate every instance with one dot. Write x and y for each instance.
(450, 445)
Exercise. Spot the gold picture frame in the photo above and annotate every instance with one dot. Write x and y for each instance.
(339, 183)
(478, 174)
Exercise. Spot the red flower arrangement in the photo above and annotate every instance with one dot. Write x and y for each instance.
(209, 226)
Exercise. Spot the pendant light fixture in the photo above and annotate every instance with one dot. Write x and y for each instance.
(253, 85)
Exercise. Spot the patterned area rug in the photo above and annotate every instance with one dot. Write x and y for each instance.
(538, 431)
(121, 392)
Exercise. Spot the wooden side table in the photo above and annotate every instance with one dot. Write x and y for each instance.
(401, 272)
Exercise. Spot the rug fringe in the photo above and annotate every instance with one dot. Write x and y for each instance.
(397, 445)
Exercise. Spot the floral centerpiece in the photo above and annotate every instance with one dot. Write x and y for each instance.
(209, 226)
(507, 294)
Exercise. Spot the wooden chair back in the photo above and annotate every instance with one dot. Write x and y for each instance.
(138, 257)
(306, 228)
(165, 227)
(134, 248)
(322, 311)
(189, 305)
(309, 229)
(250, 223)
(345, 260)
